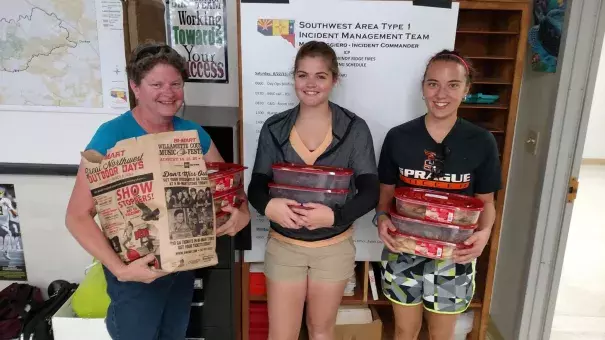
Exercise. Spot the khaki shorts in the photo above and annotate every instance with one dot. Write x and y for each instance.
(289, 262)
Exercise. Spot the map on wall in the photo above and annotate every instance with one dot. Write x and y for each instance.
(62, 55)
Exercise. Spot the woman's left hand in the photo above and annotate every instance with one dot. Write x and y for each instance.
(239, 220)
(315, 215)
(477, 241)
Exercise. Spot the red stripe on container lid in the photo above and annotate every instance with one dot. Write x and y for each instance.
(394, 214)
(323, 191)
(438, 198)
(228, 192)
(426, 240)
(313, 169)
(222, 169)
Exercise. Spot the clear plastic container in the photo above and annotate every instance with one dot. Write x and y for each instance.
(438, 206)
(423, 247)
(432, 230)
(224, 176)
(320, 177)
(328, 197)
(233, 197)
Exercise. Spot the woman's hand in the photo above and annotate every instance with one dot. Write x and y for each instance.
(477, 241)
(140, 271)
(278, 210)
(239, 220)
(314, 215)
(384, 225)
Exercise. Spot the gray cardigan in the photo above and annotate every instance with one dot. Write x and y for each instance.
(352, 147)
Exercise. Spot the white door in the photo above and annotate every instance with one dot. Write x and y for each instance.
(581, 50)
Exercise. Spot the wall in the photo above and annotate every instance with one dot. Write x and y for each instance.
(536, 109)
(46, 140)
(50, 251)
(594, 147)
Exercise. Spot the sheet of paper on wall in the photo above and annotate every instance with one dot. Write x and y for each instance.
(12, 261)
(63, 56)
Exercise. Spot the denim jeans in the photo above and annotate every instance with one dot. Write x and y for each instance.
(154, 311)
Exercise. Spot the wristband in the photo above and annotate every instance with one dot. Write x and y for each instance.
(378, 214)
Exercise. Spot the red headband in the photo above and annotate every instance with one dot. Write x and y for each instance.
(459, 58)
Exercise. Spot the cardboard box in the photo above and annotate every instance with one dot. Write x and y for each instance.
(370, 331)
(68, 326)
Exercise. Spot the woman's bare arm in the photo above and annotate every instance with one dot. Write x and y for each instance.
(81, 224)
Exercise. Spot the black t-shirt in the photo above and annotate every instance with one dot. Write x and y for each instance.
(466, 162)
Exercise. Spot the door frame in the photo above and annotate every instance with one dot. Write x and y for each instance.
(580, 53)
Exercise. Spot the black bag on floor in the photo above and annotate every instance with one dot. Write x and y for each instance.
(38, 324)
(17, 301)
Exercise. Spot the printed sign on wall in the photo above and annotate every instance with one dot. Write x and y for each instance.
(12, 262)
(197, 29)
(382, 49)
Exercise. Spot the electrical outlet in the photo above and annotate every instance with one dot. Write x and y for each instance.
(531, 142)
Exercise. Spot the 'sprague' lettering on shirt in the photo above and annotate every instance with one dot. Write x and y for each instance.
(425, 179)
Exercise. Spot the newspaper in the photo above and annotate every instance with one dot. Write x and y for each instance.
(152, 195)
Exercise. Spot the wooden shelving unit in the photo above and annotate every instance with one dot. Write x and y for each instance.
(493, 34)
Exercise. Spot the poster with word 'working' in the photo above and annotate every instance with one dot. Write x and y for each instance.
(63, 56)
(198, 31)
(382, 50)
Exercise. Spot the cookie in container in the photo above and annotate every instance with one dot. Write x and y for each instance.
(431, 230)
(320, 177)
(225, 176)
(327, 197)
(233, 197)
(414, 245)
(438, 206)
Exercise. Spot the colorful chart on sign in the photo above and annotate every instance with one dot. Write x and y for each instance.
(382, 49)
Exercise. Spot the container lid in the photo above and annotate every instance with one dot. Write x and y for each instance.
(397, 233)
(323, 191)
(400, 217)
(313, 169)
(217, 169)
(228, 192)
(438, 198)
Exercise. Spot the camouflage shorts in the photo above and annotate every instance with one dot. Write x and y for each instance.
(442, 286)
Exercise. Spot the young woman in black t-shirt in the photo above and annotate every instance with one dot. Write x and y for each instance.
(442, 152)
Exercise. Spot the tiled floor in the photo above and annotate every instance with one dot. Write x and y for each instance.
(580, 310)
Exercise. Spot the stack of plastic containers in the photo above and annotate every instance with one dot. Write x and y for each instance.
(432, 223)
(226, 184)
(311, 184)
